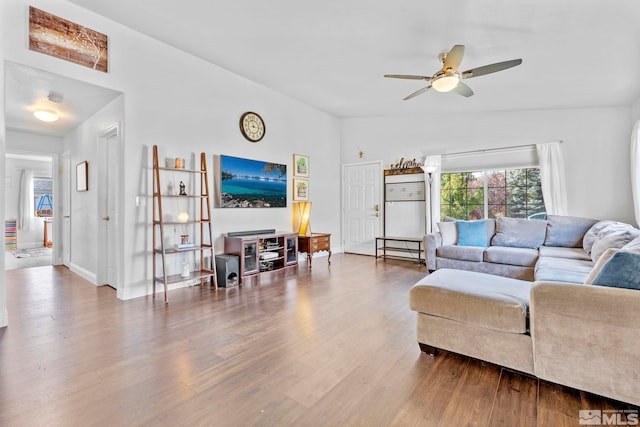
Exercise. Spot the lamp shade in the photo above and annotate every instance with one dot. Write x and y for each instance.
(304, 216)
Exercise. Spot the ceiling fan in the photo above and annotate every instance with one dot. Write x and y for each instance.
(449, 78)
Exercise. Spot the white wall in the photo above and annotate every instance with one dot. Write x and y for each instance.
(595, 147)
(4, 316)
(23, 142)
(82, 143)
(185, 105)
(635, 111)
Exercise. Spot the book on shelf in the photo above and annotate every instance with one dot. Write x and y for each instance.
(183, 246)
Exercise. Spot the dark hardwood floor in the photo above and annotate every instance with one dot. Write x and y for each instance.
(330, 346)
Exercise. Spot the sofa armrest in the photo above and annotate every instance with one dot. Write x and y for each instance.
(432, 241)
(587, 337)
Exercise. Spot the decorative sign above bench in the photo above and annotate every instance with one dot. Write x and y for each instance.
(404, 167)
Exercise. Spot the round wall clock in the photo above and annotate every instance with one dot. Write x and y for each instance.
(252, 126)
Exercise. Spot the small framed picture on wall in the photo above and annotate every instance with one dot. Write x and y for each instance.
(300, 189)
(301, 165)
(82, 176)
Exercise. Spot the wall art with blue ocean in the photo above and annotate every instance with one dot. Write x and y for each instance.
(248, 183)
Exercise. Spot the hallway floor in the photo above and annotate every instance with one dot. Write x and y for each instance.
(11, 262)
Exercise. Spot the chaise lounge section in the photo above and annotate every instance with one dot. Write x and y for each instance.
(576, 325)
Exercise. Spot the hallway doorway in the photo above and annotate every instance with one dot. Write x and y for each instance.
(29, 210)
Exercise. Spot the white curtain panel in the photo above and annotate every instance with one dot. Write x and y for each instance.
(433, 167)
(25, 200)
(635, 169)
(552, 176)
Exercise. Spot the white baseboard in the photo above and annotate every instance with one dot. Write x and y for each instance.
(84, 273)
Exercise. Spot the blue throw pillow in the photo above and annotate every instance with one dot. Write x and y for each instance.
(621, 271)
(472, 233)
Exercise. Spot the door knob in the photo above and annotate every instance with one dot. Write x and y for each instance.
(106, 218)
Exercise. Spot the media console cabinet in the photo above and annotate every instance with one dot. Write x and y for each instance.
(261, 253)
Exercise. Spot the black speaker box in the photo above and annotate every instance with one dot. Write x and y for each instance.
(227, 270)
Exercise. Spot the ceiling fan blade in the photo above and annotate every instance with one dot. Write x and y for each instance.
(492, 68)
(404, 76)
(454, 57)
(462, 89)
(416, 93)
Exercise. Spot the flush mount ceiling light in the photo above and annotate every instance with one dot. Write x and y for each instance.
(45, 115)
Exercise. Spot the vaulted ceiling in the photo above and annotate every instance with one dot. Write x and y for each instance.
(332, 54)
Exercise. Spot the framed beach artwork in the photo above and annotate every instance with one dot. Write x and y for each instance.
(55, 36)
(300, 189)
(301, 165)
(246, 183)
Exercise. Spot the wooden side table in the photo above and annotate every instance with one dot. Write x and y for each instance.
(316, 242)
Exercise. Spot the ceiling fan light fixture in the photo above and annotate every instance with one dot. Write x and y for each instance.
(45, 115)
(445, 83)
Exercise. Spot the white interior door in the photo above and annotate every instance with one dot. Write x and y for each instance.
(66, 209)
(361, 204)
(108, 208)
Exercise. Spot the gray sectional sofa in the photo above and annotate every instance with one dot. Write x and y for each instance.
(561, 248)
(565, 311)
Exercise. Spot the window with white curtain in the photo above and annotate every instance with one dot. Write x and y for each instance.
(491, 183)
(515, 193)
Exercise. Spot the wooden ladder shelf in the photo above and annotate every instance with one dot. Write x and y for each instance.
(202, 243)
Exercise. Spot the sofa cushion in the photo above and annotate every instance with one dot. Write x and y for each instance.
(513, 256)
(519, 233)
(472, 233)
(613, 236)
(590, 236)
(449, 232)
(558, 252)
(562, 270)
(464, 253)
(599, 264)
(484, 300)
(620, 271)
(567, 231)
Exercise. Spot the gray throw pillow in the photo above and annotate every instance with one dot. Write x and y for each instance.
(591, 235)
(613, 236)
(519, 233)
(567, 231)
(449, 233)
